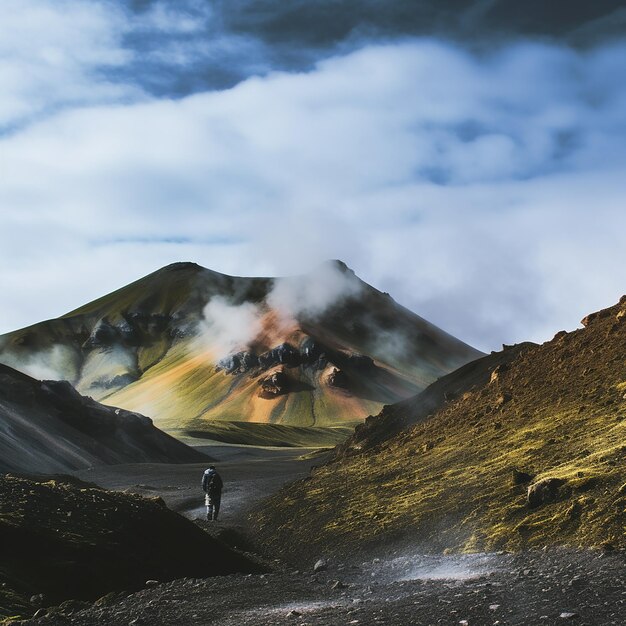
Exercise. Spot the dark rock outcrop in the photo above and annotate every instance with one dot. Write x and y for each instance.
(544, 491)
(274, 385)
(238, 363)
(338, 378)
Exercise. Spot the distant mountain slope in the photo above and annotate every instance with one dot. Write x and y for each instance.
(532, 452)
(185, 345)
(65, 539)
(48, 427)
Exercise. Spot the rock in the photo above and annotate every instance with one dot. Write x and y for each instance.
(544, 491)
(361, 361)
(568, 615)
(337, 584)
(283, 354)
(274, 385)
(238, 363)
(37, 599)
(494, 607)
(40, 613)
(497, 373)
(294, 613)
(520, 478)
(320, 566)
(592, 317)
(337, 378)
(502, 399)
(151, 583)
(103, 334)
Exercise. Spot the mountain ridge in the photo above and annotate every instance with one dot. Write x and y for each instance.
(186, 344)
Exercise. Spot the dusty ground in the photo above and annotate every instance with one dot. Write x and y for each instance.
(538, 587)
(534, 588)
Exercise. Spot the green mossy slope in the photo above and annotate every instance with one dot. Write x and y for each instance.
(456, 480)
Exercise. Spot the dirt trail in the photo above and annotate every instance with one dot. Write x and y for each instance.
(250, 474)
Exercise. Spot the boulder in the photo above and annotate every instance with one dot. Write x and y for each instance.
(320, 566)
(520, 478)
(274, 385)
(337, 378)
(544, 491)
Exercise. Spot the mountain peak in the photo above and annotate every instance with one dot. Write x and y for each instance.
(181, 265)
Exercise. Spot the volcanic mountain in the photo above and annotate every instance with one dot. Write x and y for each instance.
(191, 347)
(48, 427)
(522, 448)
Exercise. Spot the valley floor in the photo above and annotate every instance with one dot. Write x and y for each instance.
(538, 587)
(250, 474)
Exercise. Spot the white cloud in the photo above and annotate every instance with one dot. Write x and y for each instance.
(49, 52)
(465, 185)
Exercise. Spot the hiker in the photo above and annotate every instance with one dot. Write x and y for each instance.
(212, 485)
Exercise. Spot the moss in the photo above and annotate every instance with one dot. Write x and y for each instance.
(446, 482)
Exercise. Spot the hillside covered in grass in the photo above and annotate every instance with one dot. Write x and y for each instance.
(531, 452)
(188, 346)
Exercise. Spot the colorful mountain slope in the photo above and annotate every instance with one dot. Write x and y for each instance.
(48, 427)
(188, 346)
(530, 452)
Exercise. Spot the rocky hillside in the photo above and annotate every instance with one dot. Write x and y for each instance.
(530, 452)
(48, 427)
(65, 539)
(188, 346)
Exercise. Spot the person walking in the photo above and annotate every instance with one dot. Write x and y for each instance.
(212, 485)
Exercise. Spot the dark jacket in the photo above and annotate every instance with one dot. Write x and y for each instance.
(212, 483)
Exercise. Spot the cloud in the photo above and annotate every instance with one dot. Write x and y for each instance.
(67, 41)
(484, 191)
(312, 294)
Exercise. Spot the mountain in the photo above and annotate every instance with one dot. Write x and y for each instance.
(48, 427)
(188, 346)
(65, 539)
(528, 450)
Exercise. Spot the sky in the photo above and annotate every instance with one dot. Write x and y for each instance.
(468, 157)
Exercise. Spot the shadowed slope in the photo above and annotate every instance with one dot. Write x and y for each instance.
(69, 539)
(48, 427)
(187, 345)
(530, 455)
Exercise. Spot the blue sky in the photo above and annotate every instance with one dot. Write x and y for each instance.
(467, 157)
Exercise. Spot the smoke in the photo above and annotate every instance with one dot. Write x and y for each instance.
(433, 567)
(313, 294)
(56, 363)
(228, 327)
